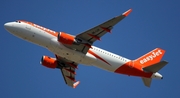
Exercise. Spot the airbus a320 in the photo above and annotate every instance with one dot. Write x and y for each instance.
(72, 50)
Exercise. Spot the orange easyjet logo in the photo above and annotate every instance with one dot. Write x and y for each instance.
(151, 57)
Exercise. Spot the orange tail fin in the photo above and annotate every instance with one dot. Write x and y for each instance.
(150, 58)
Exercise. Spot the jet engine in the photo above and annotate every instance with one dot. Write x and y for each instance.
(48, 62)
(66, 38)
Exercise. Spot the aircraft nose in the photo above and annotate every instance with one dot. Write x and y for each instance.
(8, 25)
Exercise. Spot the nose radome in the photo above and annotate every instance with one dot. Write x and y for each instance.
(8, 25)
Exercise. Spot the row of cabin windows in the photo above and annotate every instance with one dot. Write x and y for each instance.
(107, 53)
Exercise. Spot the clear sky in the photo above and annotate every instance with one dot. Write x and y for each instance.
(152, 23)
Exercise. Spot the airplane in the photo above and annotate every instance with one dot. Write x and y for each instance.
(72, 50)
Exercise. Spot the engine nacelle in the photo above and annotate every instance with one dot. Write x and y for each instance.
(66, 38)
(48, 62)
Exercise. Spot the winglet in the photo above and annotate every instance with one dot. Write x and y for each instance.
(127, 12)
(76, 84)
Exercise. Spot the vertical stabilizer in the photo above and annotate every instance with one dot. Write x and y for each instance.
(150, 58)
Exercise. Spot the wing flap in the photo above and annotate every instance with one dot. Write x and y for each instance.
(64, 74)
(68, 71)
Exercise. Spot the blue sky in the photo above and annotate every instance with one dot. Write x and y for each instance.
(151, 24)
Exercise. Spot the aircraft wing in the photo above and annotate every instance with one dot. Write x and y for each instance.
(88, 37)
(68, 71)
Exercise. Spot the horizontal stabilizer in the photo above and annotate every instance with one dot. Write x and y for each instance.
(147, 81)
(155, 67)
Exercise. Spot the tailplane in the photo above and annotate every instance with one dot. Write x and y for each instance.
(151, 62)
(155, 67)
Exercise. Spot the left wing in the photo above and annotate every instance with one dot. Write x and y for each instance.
(68, 71)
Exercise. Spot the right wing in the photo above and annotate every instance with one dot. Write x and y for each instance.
(67, 68)
(87, 38)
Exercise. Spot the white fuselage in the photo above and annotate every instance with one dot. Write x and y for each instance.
(39, 35)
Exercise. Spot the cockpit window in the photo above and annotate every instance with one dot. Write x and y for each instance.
(18, 21)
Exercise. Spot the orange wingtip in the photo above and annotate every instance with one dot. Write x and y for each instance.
(127, 12)
(76, 84)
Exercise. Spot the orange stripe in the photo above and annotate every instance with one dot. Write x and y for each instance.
(94, 54)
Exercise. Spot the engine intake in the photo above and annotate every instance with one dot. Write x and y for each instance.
(48, 62)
